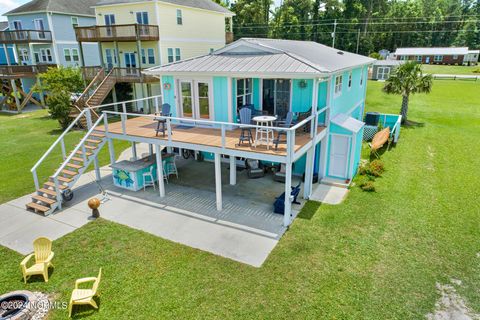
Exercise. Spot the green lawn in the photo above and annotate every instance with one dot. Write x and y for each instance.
(24, 138)
(440, 69)
(376, 256)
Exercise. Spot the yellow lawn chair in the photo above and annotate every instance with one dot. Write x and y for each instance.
(84, 296)
(43, 254)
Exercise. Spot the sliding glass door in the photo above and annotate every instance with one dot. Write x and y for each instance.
(276, 96)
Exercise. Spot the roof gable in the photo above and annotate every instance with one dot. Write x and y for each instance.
(81, 7)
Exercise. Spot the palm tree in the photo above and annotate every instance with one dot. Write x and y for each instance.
(408, 79)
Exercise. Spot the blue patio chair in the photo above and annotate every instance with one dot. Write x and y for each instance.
(287, 123)
(279, 204)
(162, 122)
(246, 133)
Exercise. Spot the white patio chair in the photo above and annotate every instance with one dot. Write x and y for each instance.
(171, 166)
(148, 180)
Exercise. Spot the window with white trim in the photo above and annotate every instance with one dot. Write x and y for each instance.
(179, 17)
(350, 80)
(74, 22)
(455, 57)
(142, 17)
(144, 57)
(244, 92)
(338, 85)
(151, 56)
(178, 55)
(75, 55)
(419, 58)
(67, 55)
(24, 58)
(438, 58)
(46, 55)
(171, 58)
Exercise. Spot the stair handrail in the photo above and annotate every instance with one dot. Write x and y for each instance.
(101, 83)
(60, 140)
(85, 92)
(69, 158)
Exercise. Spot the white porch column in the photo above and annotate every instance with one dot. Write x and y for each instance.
(233, 170)
(97, 168)
(111, 149)
(307, 187)
(218, 181)
(161, 185)
(288, 191)
(134, 151)
(323, 157)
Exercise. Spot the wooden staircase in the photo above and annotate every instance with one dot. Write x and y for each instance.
(45, 200)
(94, 94)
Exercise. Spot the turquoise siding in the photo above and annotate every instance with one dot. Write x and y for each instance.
(349, 97)
(3, 57)
(322, 95)
(169, 94)
(234, 100)
(220, 98)
(256, 93)
(302, 96)
(358, 151)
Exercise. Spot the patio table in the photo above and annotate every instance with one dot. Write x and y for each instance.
(263, 133)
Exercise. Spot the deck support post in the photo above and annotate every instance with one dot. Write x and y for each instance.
(15, 95)
(218, 181)
(233, 170)
(150, 148)
(98, 177)
(134, 151)
(161, 185)
(307, 187)
(288, 191)
(111, 150)
(115, 99)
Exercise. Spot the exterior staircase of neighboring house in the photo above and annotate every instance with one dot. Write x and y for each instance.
(49, 196)
(94, 94)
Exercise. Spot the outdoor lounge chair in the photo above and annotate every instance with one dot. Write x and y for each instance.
(162, 122)
(43, 254)
(287, 123)
(279, 204)
(246, 133)
(84, 296)
(279, 172)
(302, 116)
(255, 169)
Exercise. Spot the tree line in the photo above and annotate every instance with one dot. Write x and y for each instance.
(365, 26)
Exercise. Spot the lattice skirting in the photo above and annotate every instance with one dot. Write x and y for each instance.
(369, 132)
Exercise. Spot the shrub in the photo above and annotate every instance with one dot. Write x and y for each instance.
(376, 168)
(368, 186)
(476, 70)
(59, 107)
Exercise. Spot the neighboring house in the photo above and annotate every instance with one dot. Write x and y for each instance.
(278, 76)
(41, 33)
(133, 35)
(472, 57)
(382, 69)
(450, 55)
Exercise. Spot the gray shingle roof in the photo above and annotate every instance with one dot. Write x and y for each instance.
(3, 25)
(83, 7)
(201, 4)
(274, 57)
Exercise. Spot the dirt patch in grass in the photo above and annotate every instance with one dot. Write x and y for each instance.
(450, 305)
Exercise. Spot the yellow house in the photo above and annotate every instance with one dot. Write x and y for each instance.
(134, 35)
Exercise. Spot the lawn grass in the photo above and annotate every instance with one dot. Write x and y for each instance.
(376, 256)
(24, 138)
(441, 69)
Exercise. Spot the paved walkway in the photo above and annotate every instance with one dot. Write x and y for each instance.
(246, 230)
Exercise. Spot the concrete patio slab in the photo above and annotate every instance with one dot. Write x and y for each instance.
(329, 194)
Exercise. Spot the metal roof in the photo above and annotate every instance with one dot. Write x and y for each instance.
(268, 57)
(431, 51)
(348, 123)
(200, 4)
(3, 25)
(389, 62)
(83, 7)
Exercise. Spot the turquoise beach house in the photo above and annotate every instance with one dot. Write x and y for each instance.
(278, 76)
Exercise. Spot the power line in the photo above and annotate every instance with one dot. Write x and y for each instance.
(368, 32)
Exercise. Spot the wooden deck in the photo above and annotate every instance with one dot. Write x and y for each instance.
(144, 127)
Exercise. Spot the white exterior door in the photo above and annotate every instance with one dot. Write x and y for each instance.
(339, 149)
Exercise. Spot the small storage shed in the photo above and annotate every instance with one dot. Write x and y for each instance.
(345, 147)
(382, 69)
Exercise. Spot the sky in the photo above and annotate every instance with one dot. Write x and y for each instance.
(7, 5)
